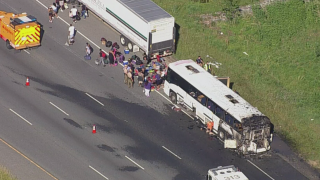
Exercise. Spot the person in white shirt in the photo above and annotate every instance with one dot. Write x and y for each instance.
(88, 49)
(71, 35)
(74, 12)
(54, 7)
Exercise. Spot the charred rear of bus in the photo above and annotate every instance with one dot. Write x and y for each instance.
(257, 134)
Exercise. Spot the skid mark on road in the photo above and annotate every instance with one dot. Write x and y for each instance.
(28, 159)
(73, 123)
(104, 147)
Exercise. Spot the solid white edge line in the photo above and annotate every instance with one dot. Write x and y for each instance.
(171, 152)
(98, 172)
(26, 51)
(260, 169)
(20, 116)
(88, 39)
(63, 20)
(42, 4)
(59, 108)
(69, 23)
(123, 66)
(94, 99)
(134, 162)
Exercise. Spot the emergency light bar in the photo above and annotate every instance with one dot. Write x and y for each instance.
(25, 19)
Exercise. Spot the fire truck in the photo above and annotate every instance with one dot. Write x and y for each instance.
(19, 31)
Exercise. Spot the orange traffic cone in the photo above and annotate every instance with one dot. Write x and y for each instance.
(94, 129)
(27, 82)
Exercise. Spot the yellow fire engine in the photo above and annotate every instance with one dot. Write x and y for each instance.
(20, 31)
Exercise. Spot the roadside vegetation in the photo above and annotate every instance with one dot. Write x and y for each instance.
(5, 175)
(272, 54)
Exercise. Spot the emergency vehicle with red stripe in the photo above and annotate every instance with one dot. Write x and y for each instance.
(19, 31)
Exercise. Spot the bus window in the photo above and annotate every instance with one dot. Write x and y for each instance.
(169, 75)
(229, 119)
(192, 91)
(184, 84)
(212, 106)
(237, 126)
(204, 101)
(174, 78)
(220, 112)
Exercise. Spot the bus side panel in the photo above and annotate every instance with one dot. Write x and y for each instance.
(166, 87)
(190, 101)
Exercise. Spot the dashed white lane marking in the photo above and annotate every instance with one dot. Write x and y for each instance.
(260, 169)
(59, 108)
(20, 116)
(94, 99)
(122, 66)
(134, 162)
(98, 172)
(26, 51)
(171, 152)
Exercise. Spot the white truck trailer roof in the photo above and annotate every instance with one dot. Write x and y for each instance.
(226, 173)
(146, 9)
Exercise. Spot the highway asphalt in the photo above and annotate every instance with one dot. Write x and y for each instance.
(139, 138)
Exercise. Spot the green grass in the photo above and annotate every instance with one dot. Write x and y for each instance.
(281, 74)
(5, 175)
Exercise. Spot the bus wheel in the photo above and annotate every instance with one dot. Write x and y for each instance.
(8, 44)
(173, 97)
(221, 134)
(130, 46)
(123, 40)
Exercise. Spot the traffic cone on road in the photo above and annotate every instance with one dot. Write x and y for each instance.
(94, 129)
(27, 82)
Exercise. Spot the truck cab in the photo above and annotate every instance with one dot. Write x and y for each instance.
(225, 173)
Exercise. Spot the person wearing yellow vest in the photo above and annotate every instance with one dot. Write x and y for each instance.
(207, 67)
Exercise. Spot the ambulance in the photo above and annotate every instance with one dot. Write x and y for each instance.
(19, 31)
(225, 173)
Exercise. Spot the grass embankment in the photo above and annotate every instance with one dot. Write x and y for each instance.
(5, 175)
(280, 74)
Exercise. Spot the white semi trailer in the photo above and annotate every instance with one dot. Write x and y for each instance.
(141, 23)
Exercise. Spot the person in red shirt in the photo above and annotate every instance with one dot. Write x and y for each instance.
(102, 57)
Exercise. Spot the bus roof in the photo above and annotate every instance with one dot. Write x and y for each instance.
(214, 89)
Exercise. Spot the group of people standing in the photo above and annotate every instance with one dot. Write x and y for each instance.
(62, 5)
(147, 80)
(111, 59)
